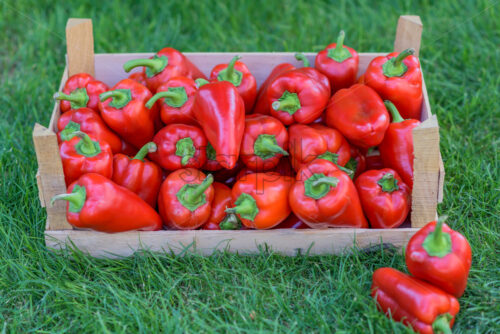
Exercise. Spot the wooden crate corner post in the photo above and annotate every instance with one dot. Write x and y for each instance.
(80, 46)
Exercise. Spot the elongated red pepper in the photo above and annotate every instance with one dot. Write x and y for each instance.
(163, 66)
(324, 196)
(237, 73)
(260, 200)
(219, 219)
(415, 303)
(185, 199)
(140, 77)
(262, 105)
(138, 175)
(397, 77)
(359, 114)
(385, 198)
(83, 154)
(98, 203)
(90, 122)
(396, 150)
(441, 256)
(81, 91)
(220, 110)
(264, 142)
(176, 98)
(339, 63)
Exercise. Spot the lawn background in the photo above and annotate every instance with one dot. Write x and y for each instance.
(44, 292)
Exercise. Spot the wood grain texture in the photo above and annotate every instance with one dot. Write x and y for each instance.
(80, 46)
(408, 33)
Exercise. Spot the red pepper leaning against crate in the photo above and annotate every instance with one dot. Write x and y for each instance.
(80, 91)
(415, 303)
(98, 203)
(440, 256)
(185, 199)
(138, 175)
(82, 154)
(324, 196)
(339, 63)
(384, 197)
(397, 77)
(219, 219)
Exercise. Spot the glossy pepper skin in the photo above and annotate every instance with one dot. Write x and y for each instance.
(83, 154)
(397, 77)
(176, 100)
(124, 109)
(385, 198)
(338, 149)
(166, 64)
(396, 150)
(359, 114)
(441, 256)
(90, 122)
(418, 304)
(220, 110)
(96, 202)
(81, 91)
(237, 73)
(185, 199)
(357, 162)
(180, 146)
(261, 105)
(218, 219)
(339, 63)
(140, 77)
(260, 200)
(138, 175)
(324, 196)
(264, 142)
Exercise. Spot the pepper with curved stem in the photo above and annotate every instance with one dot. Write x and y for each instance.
(395, 67)
(80, 91)
(174, 97)
(339, 53)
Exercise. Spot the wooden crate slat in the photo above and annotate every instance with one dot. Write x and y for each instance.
(80, 46)
(408, 33)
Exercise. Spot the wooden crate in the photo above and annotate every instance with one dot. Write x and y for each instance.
(428, 167)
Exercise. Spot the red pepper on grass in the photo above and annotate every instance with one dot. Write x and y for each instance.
(218, 219)
(384, 197)
(396, 150)
(220, 110)
(140, 77)
(82, 154)
(123, 109)
(415, 303)
(139, 175)
(176, 101)
(339, 63)
(264, 142)
(81, 91)
(397, 77)
(261, 105)
(185, 199)
(440, 256)
(98, 203)
(260, 200)
(180, 146)
(163, 66)
(237, 73)
(359, 114)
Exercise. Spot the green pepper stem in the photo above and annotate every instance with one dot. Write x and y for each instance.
(395, 67)
(86, 145)
(402, 55)
(116, 94)
(154, 64)
(147, 148)
(120, 97)
(438, 243)
(331, 181)
(339, 53)
(76, 198)
(231, 222)
(388, 183)
(301, 57)
(199, 189)
(201, 82)
(78, 98)
(72, 198)
(266, 146)
(340, 42)
(230, 73)
(175, 97)
(442, 324)
(288, 102)
(396, 116)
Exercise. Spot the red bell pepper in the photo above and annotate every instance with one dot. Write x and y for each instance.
(324, 196)
(359, 114)
(384, 197)
(163, 66)
(339, 63)
(83, 154)
(140, 77)
(185, 199)
(357, 163)
(440, 256)
(397, 77)
(218, 219)
(123, 108)
(237, 73)
(264, 142)
(176, 101)
(292, 221)
(413, 302)
(98, 203)
(260, 200)
(180, 146)
(261, 105)
(338, 149)
(90, 122)
(81, 91)
(396, 150)
(220, 110)
(138, 175)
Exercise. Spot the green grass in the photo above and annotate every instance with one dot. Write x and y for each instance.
(45, 292)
